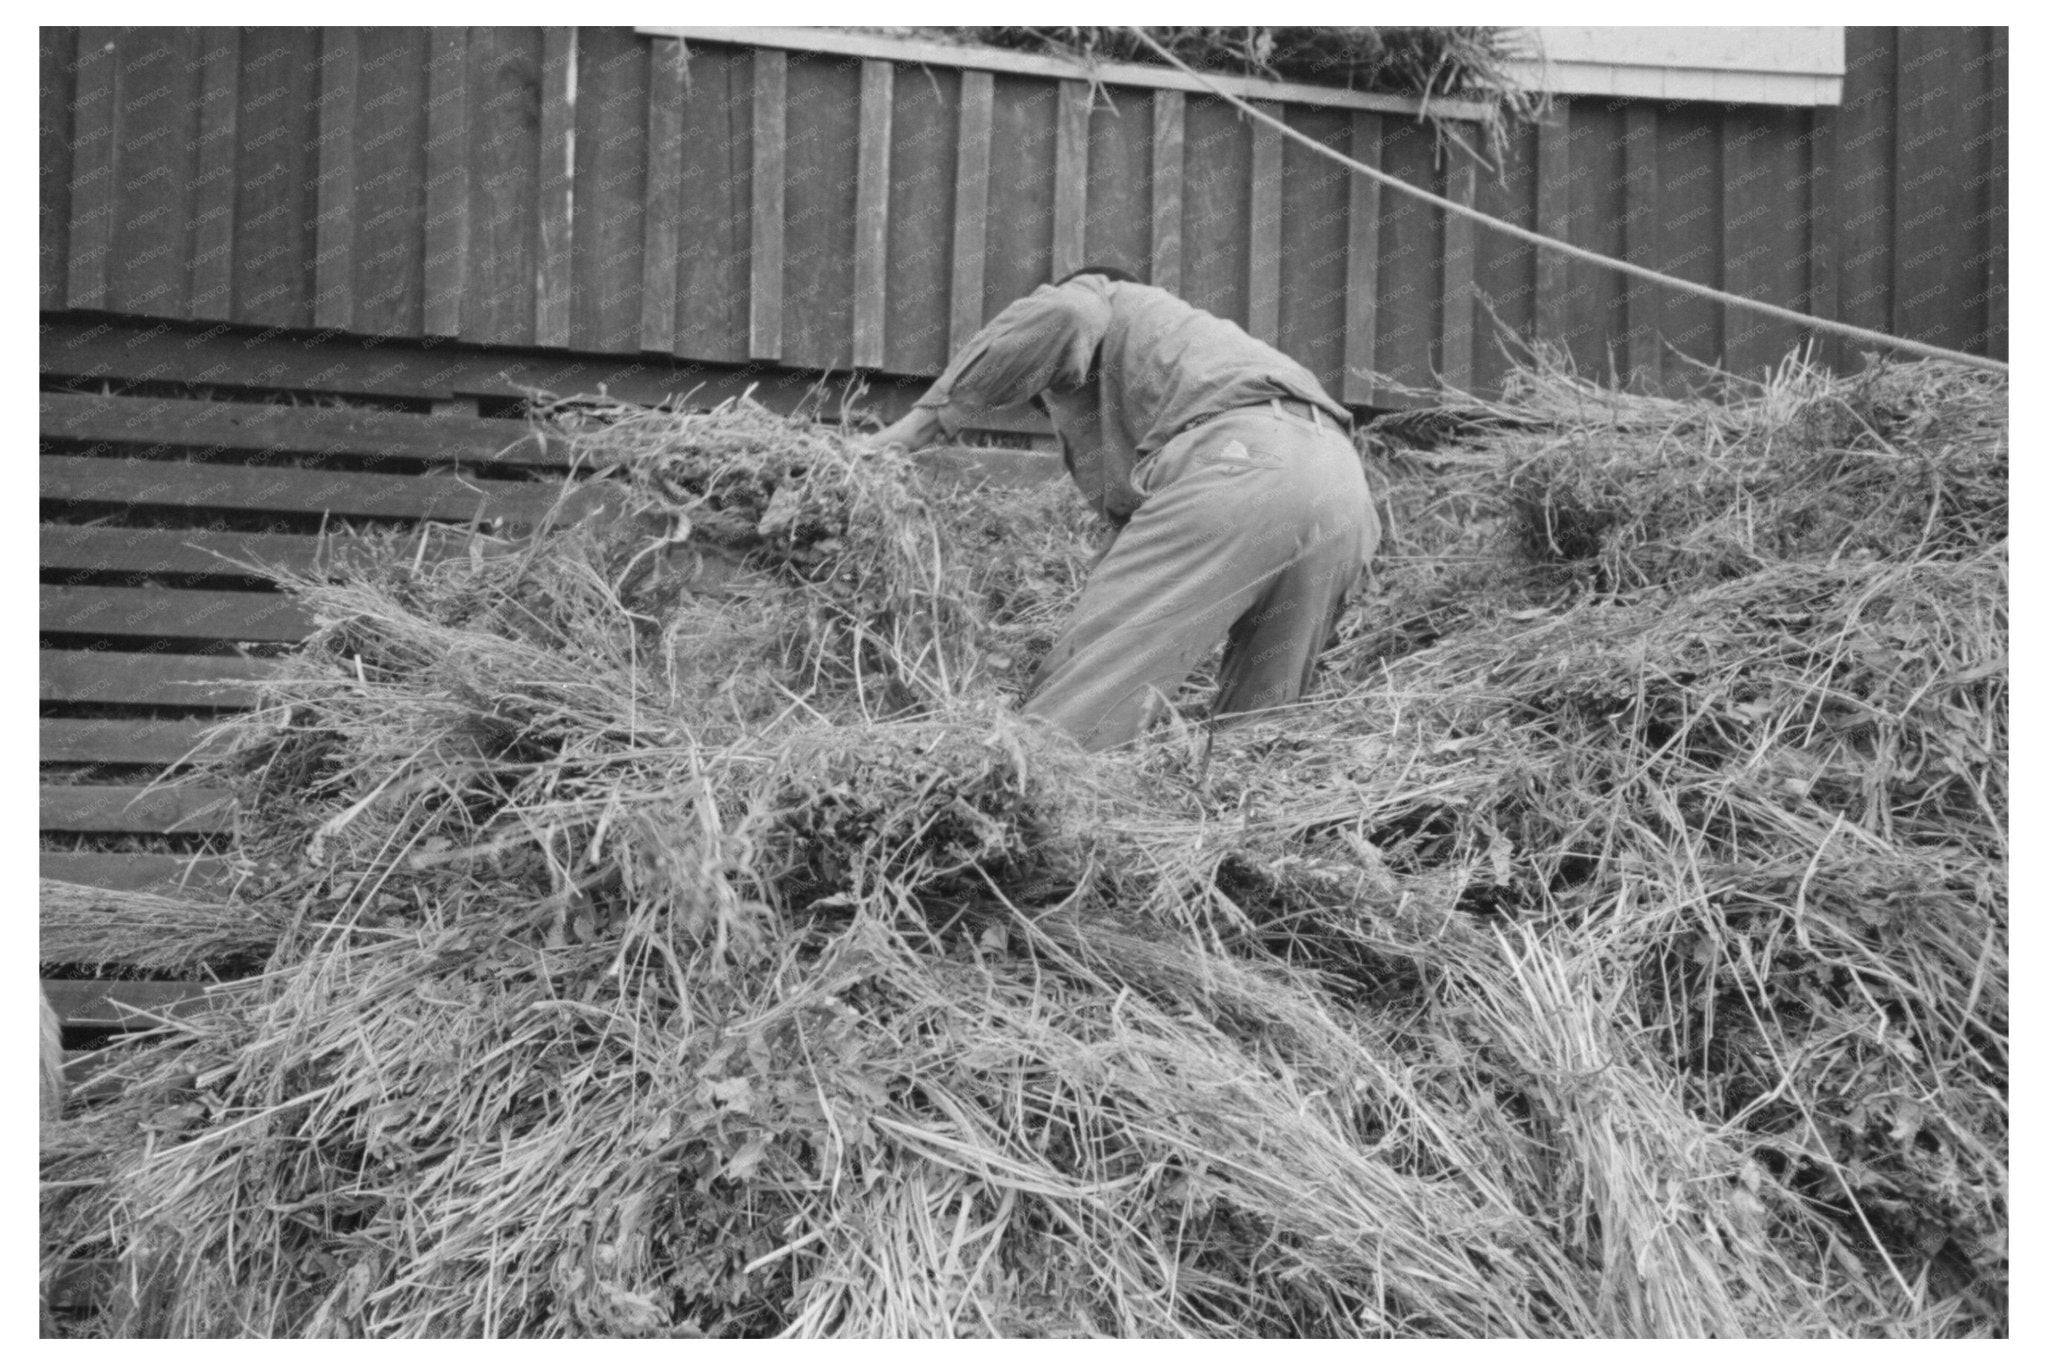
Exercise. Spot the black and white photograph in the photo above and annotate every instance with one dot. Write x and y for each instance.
(870, 682)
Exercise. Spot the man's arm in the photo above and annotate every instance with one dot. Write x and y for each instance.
(1045, 340)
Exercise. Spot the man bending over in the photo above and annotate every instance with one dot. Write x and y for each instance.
(1239, 508)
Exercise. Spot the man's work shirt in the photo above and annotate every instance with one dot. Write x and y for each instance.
(1124, 368)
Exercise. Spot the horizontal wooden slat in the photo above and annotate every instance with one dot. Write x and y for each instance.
(92, 350)
(250, 488)
(163, 872)
(134, 549)
(438, 437)
(1001, 468)
(81, 1067)
(105, 740)
(173, 613)
(98, 1004)
(134, 678)
(245, 554)
(134, 810)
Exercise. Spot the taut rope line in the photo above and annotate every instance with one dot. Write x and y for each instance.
(1772, 310)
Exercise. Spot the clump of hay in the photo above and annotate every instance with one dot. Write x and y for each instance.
(1471, 63)
(706, 947)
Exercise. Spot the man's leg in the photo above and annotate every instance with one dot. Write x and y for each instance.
(1231, 510)
(1274, 646)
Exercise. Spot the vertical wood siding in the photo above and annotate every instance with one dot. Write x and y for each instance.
(1119, 209)
(923, 194)
(1018, 259)
(597, 191)
(1504, 274)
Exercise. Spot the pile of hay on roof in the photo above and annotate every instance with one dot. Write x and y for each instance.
(1474, 64)
(675, 931)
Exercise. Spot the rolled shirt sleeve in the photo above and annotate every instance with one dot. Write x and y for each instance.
(1045, 340)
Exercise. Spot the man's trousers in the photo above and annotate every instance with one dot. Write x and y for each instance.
(1253, 527)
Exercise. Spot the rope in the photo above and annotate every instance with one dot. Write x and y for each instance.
(1579, 253)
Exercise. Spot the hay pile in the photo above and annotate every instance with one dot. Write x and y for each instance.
(1470, 63)
(676, 932)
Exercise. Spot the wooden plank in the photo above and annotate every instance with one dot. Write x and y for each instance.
(923, 155)
(95, 169)
(1025, 135)
(157, 550)
(79, 1284)
(1215, 250)
(1506, 273)
(1974, 150)
(134, 810)
(447, 186)
(122, 677)
(970, 205)
(1689, 224)
(985, 59)
(391, 172)
(764, 318)
(1866, 130)
(57, 86)
(214, 425)
(1597, 203)
(277, 133)
(871, 214)
(157, 125)
(1118, 189)
(666, 78)
(1931, 196)
(169, 483)
(1740, 270)
(1070, 179)
(1997, 210)
(1169, 126)
(1362, 267)
(1642, 245)
(1411, 247)
(160, 872)
(1823, 177)
(1263, 230)
(172, 613)
(335, 233)
(1747, 197)
(614, 220)
(213, 188)
(1779, 226)
(714, 304)
(83, 353)
(820, 195)
(500, 300)
(106, 740)
(115, 1004)
(1553, 219)
(1313, 196)
(556, 173)
(1455, 326)
(970, 466)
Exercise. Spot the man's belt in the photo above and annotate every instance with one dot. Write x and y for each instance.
(1307, 411)
(1293, 407)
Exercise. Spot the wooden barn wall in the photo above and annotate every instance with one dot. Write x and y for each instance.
(604, 193)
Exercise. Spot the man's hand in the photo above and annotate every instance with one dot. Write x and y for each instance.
(915, 430)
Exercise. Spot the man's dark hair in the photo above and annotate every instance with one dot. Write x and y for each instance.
(1108, 272)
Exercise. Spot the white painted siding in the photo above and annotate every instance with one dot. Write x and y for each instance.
(1800, 65)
